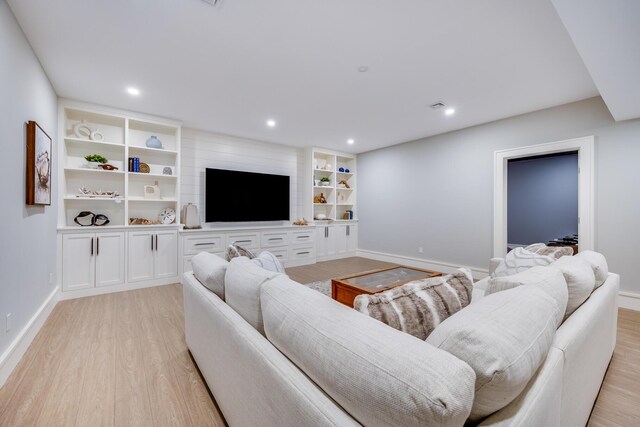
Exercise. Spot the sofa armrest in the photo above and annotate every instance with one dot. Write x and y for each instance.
(493, 264)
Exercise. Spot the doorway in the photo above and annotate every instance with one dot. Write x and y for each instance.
(584, 149)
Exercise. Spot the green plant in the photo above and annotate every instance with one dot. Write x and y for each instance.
(95, 158)
(325, 179)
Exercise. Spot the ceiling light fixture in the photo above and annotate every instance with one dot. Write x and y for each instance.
(449, 111)
(363, 69)
(437, 105)
(133, 91)
(271, 123)
(350, 141)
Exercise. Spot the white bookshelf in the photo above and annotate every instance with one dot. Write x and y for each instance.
(123, 135)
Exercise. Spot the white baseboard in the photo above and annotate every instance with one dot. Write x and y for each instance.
(478, 273)
(91, 292)
(629, 300)
(11, 357)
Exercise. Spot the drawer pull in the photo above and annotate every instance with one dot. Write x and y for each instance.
(303, 253)
(242, 241)
(275, 238)
(205, 244)
(303, 237)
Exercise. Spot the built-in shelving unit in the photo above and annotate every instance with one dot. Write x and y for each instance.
(122, 135)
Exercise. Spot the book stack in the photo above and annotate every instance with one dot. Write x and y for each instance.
(134, 164)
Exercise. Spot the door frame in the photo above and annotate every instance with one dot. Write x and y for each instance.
(586, 203)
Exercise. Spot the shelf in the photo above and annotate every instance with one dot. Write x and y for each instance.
(91, 141)
(96, 199)
(346, 173)
(142, 199)
(153, 150)
(323, 187)
(345, 204)
(324, 170)
(87, 170)
(323, 204)
(155, 175)
(345, 189)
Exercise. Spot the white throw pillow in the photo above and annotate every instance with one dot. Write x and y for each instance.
(598, 263)
(519, 260)
(580, 279)
(242, 289)
(268, 261)
(210, 270)
(555, 252)
(504, 337)
(548, 279)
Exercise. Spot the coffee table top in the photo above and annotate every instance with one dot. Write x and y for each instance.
(379, 280)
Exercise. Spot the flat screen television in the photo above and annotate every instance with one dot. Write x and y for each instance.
(234, 196)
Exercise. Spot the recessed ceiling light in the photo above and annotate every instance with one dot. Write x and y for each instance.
(350, 141)
(133, 91)
(449, 111)
(363, 69)
(271, 123)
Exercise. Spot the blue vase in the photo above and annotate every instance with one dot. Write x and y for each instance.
(341, 170)
(154, 142)
(346, 170)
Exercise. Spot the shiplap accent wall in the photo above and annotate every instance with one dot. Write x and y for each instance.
(201, 150)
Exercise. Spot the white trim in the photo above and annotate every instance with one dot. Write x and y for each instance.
(444, 267)
(12, 355)
(629, 300)
(586, 199)
(101, 290)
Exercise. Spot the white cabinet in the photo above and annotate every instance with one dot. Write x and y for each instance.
(152, 255)
(336, 241)
(92, 259)
(352, 238)
(325, 241)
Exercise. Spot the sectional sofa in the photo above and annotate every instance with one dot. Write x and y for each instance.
(274, 352)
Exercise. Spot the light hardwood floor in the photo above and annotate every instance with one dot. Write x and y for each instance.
(121, 359)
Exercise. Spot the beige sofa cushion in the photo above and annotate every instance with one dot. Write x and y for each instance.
(598, 263)
(555, 252)
(580, 280)
(549, 279)
(381, 376)
(210, 270)
(504, 337)
(519, 260)
(242, 289)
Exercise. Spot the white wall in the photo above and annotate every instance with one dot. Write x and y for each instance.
(28, 249)
(202, 150)
(438, 192)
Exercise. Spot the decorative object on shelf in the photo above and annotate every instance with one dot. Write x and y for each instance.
(320, 164)
(134, 164)
(82, 130)
(107, 167)
(96, 135)
(190, 217)
(38, 166)
(152, 191)
(94, 160)
(83, 192)
(88, 218)
(316, 182)
(301, 222)
(141, 221)
(167, 216)
(321, 217)
(341, 197)
(325, 181)
(144, 168)
(320, 199)
(328, 167)
(346, 215)
(167, 170)
(344, 182)
(154, 142)
(347, 171)
(341, 170)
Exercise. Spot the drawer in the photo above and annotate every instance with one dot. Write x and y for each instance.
(186, 261)
(246, 240)
(270, 239)
(301, 237)
(209, 243)
(281, 254)
(302, 253)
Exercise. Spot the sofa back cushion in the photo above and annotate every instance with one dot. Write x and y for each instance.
(548, 279)
(504, 337)
(598, 264)
(379, 375)
(242, 289)
(555, 252)
(519, 260)
(580, 280)
(418, 307)
(210, 270)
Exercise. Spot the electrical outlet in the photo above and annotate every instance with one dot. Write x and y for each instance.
(7, 328)
(420, 250)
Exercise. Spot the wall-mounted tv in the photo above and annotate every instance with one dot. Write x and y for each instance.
(235, 196)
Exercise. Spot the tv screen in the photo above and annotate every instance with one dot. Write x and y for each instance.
(234, 196)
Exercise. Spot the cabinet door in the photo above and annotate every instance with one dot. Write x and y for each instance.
(78, 267)
(331, 240)
(340, 233)
(352, 238)
(109, 255)
(321, 241)
(140, 256)
(166, 254)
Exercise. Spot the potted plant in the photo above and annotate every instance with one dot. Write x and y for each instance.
(325, 181)
(94, 160)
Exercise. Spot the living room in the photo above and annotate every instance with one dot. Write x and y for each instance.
(356, 148)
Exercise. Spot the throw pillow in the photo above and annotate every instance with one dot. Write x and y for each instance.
(519, 260)
(555, 252)
(268, 261)
(210, 270)
(548, 279)
(598, 264)
(234, 251)
(581, 281)
(418, 307)
(504, 337)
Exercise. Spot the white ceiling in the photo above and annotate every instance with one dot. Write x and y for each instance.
(229, 68)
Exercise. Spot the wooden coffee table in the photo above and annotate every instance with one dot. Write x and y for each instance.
(346, 289)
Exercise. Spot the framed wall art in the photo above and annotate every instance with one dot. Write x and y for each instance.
(38, 165)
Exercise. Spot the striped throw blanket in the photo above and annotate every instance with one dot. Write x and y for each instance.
(419, 306)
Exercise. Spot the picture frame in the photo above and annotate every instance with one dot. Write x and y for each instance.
(39, 159)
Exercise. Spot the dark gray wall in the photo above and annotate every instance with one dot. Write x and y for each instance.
(542, 198)
(438, 192)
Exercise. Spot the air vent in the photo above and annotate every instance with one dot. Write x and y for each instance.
(438, 105)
